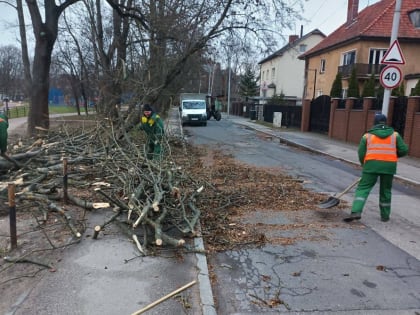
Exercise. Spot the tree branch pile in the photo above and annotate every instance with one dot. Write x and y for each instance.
(154, 203)
(155, 199)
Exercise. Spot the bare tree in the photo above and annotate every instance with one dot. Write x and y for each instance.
(10, 71)
(165, 36)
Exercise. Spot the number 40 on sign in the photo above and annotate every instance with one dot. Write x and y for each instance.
(390, 77)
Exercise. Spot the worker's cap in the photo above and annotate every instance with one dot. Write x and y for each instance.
(379, 119)
(147, 108)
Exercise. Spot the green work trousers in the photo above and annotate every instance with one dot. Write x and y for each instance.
(366, 184)
(154, 151)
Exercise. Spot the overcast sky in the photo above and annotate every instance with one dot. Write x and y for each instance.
(325, 15)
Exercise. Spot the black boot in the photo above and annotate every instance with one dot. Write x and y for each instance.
(353, 216)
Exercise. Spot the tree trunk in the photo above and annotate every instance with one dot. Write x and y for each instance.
(24, 47)
(39, 112)
(45, 36)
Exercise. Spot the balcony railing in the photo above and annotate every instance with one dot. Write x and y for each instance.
(363, 70)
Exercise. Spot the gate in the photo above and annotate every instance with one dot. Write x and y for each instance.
(320, 114)
(399, 114)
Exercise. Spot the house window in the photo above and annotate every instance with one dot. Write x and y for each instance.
(375, 57)
(273, 73)
(302, 48)
(266, 75)
(415, 18)
(322, 66)
(349, 58)
(262, 76)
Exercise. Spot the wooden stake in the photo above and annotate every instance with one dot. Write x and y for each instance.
(96, 231)
(65, 182)
(165, 298)
(12, 215)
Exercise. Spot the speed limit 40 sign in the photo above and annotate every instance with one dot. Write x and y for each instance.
(390, 77)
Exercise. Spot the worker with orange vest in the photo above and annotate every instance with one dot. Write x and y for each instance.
(379, 150)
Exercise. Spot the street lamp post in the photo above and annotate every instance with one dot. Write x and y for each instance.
(315, 71)
(394, 35)
(6, 101)
(306, 84)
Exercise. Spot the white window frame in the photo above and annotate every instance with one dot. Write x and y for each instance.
(344, 61)
(322, 65)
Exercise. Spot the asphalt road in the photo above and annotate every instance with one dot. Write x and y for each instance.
(361, 268)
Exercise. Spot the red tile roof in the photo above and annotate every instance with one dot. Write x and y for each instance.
(374, 21)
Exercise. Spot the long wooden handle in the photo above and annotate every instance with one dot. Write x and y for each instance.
(148, 307)
(348, 188)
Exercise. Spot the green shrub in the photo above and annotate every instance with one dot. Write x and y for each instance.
(337, 86)
(353, 85)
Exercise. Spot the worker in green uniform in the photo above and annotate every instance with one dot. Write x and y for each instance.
(152, 125)
(4, 125)
(379, 150)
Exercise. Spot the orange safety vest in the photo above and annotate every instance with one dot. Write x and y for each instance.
(382, 149)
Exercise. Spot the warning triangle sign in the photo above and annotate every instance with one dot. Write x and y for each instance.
(394, 55)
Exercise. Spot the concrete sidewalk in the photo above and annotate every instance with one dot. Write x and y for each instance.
(408, 167)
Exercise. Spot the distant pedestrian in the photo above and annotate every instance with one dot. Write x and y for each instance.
(379, 150)
(4, 125)
(152, 124)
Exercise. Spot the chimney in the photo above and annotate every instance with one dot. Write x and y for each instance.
(292, 38)
(352, 10)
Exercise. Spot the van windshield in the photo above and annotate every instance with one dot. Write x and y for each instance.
(194, 105)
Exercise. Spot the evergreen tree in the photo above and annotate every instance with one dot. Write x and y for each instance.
(353, 84)
(337, 87)
(416, 90)
(402, 89)
(395, 91)
(369, 87)
(248, 85)
(277, 99)
(380, 92)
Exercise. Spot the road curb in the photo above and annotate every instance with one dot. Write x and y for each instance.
(206, 293)
(203, 277)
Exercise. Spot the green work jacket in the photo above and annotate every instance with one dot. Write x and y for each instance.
(376, 166)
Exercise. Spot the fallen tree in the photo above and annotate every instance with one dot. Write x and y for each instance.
(150, 196)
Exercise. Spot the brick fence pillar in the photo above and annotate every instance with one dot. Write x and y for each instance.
(413, 106)
(391, 106)
(367, 105)
(306, 115)
(349, 107)
(334, 105)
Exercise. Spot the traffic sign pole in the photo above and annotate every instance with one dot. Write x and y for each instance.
(394, 35)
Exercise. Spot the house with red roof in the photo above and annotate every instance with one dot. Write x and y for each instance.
(361, 43)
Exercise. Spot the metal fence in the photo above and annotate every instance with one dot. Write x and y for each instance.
(291, 115)
(16, 111)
